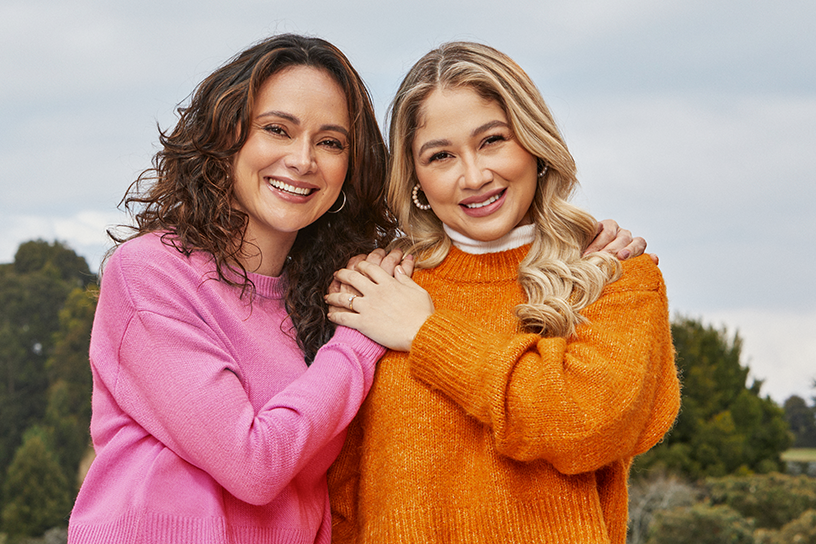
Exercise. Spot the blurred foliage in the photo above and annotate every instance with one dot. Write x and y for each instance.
(760, 508)
(802, 421)
(802, 530)
(701, 524)
(38, 496)
(771, 500)
(725, 426)
(658, 493)
(47, 301)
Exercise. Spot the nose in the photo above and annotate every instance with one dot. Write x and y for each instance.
(300, 157)
(474, 175)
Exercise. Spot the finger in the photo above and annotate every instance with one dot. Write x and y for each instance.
(655, 258)
(621, 242)
(607, 231)
(347, 289)
(633, 249)
(407, 265)
(356, 259)
(356, 279)
(402, 277)
(376, 256)
(340, 316)
(342, 302)
(373, 272)
(391, 260)
(335, 286)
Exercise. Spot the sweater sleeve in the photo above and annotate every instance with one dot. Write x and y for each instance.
(179, 383)
(608, 392)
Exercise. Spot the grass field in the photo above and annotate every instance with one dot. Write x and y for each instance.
(800, 455)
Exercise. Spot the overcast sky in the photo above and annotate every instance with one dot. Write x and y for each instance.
(693, 124)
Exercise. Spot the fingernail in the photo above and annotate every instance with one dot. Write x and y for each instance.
(624, 254)
(400, 270)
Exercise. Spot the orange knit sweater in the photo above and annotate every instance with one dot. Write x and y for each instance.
(483, 434)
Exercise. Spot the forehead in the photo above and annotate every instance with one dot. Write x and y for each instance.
(448, 108)
(302, 90)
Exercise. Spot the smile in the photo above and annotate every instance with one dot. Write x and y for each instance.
(487, 202)
(291, 189)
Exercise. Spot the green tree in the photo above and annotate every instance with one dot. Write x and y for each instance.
(68, 413)
(33, 291)
(700, 524)
(802, 421)
(770, 500)
(724, 426)
(802, 530)
(38, 496)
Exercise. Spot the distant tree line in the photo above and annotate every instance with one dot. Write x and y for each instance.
(47, 302)
(802, 420)
(717, 476)
(727, 433)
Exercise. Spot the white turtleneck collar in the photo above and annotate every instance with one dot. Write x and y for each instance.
(517, 237)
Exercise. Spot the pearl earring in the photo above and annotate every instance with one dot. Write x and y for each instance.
(415, 198)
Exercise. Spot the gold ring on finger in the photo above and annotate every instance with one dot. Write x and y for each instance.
(351, 302)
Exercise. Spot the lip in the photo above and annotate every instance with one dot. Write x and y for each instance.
(488, 209)
(291, 190)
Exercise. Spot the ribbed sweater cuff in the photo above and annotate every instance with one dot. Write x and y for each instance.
(360, 343)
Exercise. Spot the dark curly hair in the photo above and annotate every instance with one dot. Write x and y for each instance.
(188, 190)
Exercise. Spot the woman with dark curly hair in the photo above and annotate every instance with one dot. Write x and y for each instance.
(221, 392)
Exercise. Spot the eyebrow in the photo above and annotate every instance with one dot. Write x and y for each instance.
(475, 132)
(291, 118)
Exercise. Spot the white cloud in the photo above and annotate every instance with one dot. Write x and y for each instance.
(83, 231)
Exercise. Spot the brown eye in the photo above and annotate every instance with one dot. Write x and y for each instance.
(438, 156)
(275, 129)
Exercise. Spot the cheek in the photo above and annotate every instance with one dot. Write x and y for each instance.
(437, 188)
(337, 171)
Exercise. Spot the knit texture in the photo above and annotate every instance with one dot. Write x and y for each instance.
(484, 434)
(207, 424)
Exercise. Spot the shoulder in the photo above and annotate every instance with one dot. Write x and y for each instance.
(638, 274)
(156, 253)
(151, 264)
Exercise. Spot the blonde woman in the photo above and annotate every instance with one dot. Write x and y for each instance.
(524, 375)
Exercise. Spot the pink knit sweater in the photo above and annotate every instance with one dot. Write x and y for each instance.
(207, 424)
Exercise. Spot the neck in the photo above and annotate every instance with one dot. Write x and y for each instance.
(266, 259)
(517, 237)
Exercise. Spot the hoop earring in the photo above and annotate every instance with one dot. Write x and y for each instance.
(343, 205)
(415, 198)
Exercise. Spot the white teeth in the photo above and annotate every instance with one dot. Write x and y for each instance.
(490, 200)
(289, 188)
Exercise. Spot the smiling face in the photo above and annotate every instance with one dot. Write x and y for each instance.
(292, 167)
(477, 178)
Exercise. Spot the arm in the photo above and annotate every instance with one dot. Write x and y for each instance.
(606, 393)
(609, 392)
(177, 379)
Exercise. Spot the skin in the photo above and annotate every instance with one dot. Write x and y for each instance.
(477, 178)
(291, 169)
(480, 182)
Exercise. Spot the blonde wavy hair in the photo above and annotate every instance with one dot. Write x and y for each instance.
(557, 280)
